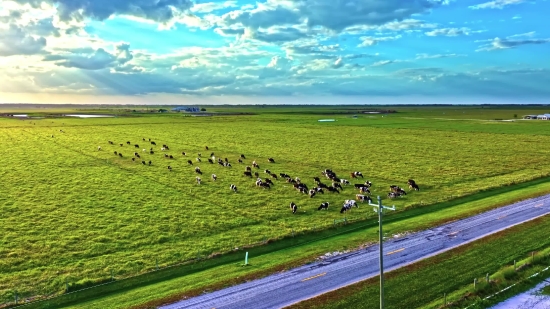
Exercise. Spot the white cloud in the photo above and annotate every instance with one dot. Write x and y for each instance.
(449, 32)
(498, 43)
(436, 56)
(14, 41)
(497, 4)
(212, 6)
(527, 34)
(372, 40)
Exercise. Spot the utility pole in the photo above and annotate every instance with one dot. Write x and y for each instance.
(381, 239)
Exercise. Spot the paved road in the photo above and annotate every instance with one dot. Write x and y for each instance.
(283, 289)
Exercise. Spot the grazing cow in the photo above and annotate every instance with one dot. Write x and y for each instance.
(133, 159)
(364, 190)
(214, 177)
(226, 161)
(198, 179)
(248, 169)
(258, 182)
(273, 175)
(153, 143)
(128, 142)
(243, 157)
(293, 207)
(227, 164)
(331, 189)
(324, 206)
(267, 180)
(116, 153)
(316, 179)
(254, 163)
(220, 162)
(206, 147)
(368, 184)
(151, 152)
(240, 161)
(360, 185)
(137, 155)
(347, 205)
(319, 190)
(149, 139)
(210, 161)
(233, 187)
(362, 198)
(143, 162)
(256, 174)
(249, 174)
(183, 153)
(119, 144)
(283, 175)
(297, 180)
(190, 162)
(212, 155)
(412, 185)
(312, 193)
(110, 142)
(199, 154)
(337, 185)
(356, 174)
(265, 185)
(98, 148)
(198, 159)
(171, 157)
(343, 181)
(267, 171)
(120, 154)
(322, 185)
(162, 148)
(143, 139)
(150, 162)
(198, 170)
(144, 150)
(166, 155)
(136, 145)
(271, 160)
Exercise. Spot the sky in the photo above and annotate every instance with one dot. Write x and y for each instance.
(274, 51)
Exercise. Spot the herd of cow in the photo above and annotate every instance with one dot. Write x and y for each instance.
(336, 184)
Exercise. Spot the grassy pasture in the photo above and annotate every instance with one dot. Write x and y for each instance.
(68, 210)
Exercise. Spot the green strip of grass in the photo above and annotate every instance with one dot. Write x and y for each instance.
(177, 282)
(518, 277)
(418, 284)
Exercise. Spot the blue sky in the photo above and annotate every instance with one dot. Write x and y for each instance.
(275, 51)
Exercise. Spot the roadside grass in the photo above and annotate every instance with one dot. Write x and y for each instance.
(175, 283)
(417, 285)
(70, 212)
(517, 277)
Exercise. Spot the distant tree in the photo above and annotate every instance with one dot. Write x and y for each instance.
(162, 110)
(515, 115)
(203, 109)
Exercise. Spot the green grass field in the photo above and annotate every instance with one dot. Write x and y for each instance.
(70, 211)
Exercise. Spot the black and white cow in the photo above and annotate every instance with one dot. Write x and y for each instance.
(293, 207)
(233, 188)
(324, 206)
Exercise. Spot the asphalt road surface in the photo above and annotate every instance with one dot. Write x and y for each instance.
(283, 289)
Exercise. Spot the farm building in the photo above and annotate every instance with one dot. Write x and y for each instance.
(190, 109)
(543, 117)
